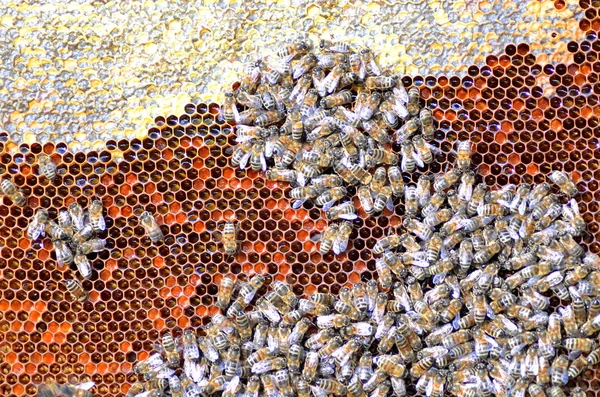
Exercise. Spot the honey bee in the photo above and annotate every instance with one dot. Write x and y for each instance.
(225, 291)
(340, 241)
(409, 160)
(423, 149)
(419, 229)
(93, 245)
(379, 156)
(368, 109)
(582, 344)
(96, 218)
(83, 265)
(229, 238)
(151, 227)
(396, 181)
(293, 49)
(383, 199)
(380, 82)
(229, 110)
(37, 226)
(446, 180)
(427, 126)
(328, 237)
(64, 255)
(9, 189)
(82, 235)
(47, 166)
(241, 154)
(369, 62)
(378, 132)
(304, 65)
(76, 290)
(337, 99)
(269, 117)
(332, 80)
(463, 155)
(413, 101)
(559, 370)
(56, 390)
(344, 211)
(566, 184)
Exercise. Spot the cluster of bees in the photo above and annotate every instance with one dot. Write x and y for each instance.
(461, 305)
(326, 120)
(74, 236)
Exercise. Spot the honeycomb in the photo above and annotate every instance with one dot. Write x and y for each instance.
(525, 118)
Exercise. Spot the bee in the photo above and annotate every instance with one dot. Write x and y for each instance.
(465, 190)
(379, 156)
(369, 62)
(96, 218)
(229, 110)
(409, 160)
(83, 265)
(423, 149)
(47, 166)
(9, 189)
(581, 344)
(241, 154)
(368, 109)
(337, 99)
(225, 291)
(304, 65)
(559, 370)
(566, 184)
(344, 211)
(151, 227)
(380, 82)
(64, 255)
(328, 237)
(56, 390)
(93, 245)
(396, 181)
(82, 235)
(76, 290)
(276, 174)
(334, 46)
(463, 155)
(419, 229)
(37, 226)
(332, 80)
(376, 131)
(301, 89)
(366, 199)
(229, 238)
(438, 217)
(413, 101)
(293, 49)
(269, 117)
(446, 180)
(303, 193)
(340, 241)
(427, 126)
(387, 243)
(383, 199)
(329, 197)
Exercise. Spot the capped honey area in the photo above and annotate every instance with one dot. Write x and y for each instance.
(525, 119)
(88, 71)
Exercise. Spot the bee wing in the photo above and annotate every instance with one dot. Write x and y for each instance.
(439, 278)
(298, 203)
(244, 160)
(340, 243)
(390, 204)
(418, 159)
(362, 71)
(101, 223)
(348, 217)
(400, 94)
(400, 110)
(429, 388)
(327, 206)
(316, 237)
(85, 386)
(404, 164)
